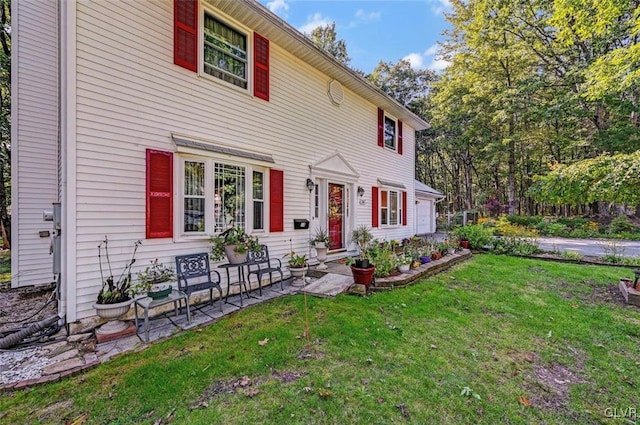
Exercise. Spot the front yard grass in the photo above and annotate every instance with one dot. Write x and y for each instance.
(494, 340)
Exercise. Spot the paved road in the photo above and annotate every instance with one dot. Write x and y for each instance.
(593, 247)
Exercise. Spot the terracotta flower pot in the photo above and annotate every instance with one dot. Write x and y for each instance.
(363, 276)
(464, 243)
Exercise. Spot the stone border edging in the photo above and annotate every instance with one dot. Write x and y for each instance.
(424, 270)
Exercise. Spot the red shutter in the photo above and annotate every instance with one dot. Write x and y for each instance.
(375, 220)
(185, 34)
(260, 66)
(404, 208)
(400, 137)
(159, 194)
(276, 201)
(380, 127)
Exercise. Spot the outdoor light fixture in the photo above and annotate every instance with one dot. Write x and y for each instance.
(360, 191)
(310, 184)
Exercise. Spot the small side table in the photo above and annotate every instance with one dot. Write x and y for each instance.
(240, 282)
(147, 303)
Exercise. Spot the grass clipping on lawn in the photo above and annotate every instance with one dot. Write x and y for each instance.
(494, 340)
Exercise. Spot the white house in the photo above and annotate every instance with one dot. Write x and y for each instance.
(168, 121)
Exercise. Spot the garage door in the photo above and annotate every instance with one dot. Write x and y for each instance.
(423, 216)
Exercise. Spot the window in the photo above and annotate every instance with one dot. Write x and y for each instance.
(389, 133)
(217, 196)
(228, 197)
(390, 207)
(225, 52)
(194, 198)
(258, 200)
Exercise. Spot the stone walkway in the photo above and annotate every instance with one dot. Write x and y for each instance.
(76, 353)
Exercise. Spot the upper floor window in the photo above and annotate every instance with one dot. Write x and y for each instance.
(225, 52)
(389, 133)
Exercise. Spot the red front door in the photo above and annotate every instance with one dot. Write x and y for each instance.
(336, 214)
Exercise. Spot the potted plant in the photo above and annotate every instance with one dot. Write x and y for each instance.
(404, 263)
(362, 270)
(234, 243)
(297, 266)
(320, 242)
(114, 298)
(153, 280)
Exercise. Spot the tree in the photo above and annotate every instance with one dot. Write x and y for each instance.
(326, 38)
(607, 178)
(5, 120)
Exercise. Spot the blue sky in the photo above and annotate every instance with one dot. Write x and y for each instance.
(388, 30)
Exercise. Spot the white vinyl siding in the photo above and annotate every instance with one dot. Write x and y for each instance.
(130, 96)
(34, 137)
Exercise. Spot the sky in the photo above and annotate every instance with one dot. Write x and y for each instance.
(387, 30)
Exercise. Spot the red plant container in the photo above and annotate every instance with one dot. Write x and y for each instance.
(363, 276)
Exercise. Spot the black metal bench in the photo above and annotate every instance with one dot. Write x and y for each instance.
(259, 264)
(194, 274)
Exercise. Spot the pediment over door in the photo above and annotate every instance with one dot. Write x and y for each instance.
(334, 166)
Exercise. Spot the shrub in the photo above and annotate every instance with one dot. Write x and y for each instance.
(505, 228)
(478, 235)
(572, 255)
(383, 256)
(515, 246)
(622, 224)
(556, 229)
(523, 220)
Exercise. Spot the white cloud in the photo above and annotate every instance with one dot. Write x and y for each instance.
(363, 16)
(440, 6)
(438, 65)
(415, 59)
(432, 51)
(277, 6)
(427, 60)
(314, 21)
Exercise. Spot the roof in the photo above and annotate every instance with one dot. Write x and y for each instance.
(262, 20)
(422, 189)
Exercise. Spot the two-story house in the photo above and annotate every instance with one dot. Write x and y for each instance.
(168, 121)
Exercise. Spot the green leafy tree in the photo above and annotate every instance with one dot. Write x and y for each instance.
(326, 38)
(5, 120)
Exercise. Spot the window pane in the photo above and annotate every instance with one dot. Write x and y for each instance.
(229, 197)
(225, 52)
(193, 178)
(389, 133)
(193, 219)
(258, 203)
(194, 215)
(393, 208)
(383, 216)
(258, 185)
(258, 215)
(383, 200)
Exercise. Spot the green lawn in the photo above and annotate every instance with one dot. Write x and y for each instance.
(476, 344)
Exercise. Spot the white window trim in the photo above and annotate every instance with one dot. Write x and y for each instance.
(178, 206)
(395, 133)
(399, 210)
(204, 8)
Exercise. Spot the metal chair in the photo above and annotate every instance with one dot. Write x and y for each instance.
(259, 264)
(195, 274)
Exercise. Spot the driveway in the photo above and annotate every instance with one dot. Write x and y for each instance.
(591, 247)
